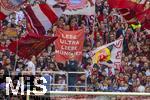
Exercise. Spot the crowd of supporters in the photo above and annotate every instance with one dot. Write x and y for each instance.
(132, 76)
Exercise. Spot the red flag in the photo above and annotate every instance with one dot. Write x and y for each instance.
(145, 15)
(68, 43)
(31, 44)
(126, 9)
(146, 24)
(121, 4)
(140, 7)
(128, 15)
(2, 16)
(144, 18)
(129, 9)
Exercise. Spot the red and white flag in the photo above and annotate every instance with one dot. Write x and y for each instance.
(42, 16)
(75, 7)
(9, 6)
(80, 7)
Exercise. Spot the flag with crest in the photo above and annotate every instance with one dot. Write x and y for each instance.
(109, 54)
(80, 7)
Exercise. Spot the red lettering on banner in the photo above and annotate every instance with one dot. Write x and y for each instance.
(118, 44)
(118, 56)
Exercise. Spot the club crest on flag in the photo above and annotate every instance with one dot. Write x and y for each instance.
(80, 7)
(11, 4)
(109, 54)
(103, 55)
(75, 4)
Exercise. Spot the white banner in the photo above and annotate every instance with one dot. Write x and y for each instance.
(109, 54)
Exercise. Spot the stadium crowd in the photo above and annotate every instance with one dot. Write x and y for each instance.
(132, 76)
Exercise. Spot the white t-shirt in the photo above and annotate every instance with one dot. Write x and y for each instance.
(31, 65)
(141, 88)
(19, 16)
(147, 72)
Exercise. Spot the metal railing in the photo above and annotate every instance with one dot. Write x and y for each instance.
(99, 93)
(60, 73)
(83, 94)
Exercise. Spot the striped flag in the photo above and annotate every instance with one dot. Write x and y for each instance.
(129, 9)
(9, 6)
(42, 16)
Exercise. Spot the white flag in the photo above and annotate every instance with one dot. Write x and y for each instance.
(109, 54)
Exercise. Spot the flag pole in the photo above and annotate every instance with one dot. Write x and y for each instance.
(16, 53)
(94, 23)
(27, 97)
